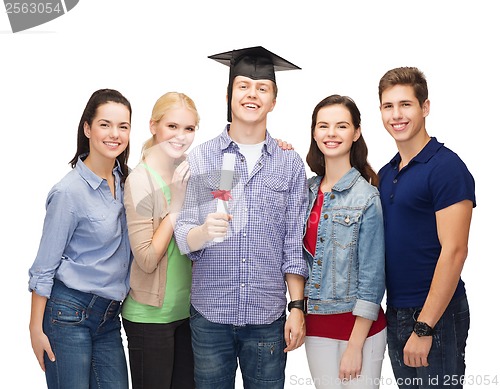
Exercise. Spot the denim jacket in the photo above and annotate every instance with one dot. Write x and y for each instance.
(347, 272)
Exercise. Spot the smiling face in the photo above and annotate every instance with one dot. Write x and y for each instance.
(252, 100)
(175, 131)
(334, 132)
(109, 131)
(402, 115)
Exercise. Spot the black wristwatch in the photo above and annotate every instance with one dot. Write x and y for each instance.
(422, 329)
(300, 304)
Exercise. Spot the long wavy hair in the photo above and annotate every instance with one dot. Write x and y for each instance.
(358, 155)
(98, 98)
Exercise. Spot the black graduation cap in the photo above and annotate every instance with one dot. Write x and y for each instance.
(256, 63)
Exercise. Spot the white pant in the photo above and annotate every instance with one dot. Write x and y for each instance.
(324, 355)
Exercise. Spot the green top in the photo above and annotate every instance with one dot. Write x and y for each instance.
(177, 289)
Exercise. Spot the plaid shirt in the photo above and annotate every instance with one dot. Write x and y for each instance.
(242, 279)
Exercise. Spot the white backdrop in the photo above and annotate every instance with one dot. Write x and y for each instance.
(146, 48)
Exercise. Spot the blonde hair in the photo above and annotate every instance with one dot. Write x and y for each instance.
(169, 100)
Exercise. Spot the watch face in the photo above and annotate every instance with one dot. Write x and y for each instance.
(422, 329)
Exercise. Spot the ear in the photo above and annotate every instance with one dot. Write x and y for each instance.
(274, 105)
(152, 127)
(357, 134)
(86, 129)
(426, 107)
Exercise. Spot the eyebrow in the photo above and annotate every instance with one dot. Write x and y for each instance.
(258, 82)
(337, 123)
(397, 102)
(109, 121)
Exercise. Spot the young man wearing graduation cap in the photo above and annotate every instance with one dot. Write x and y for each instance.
(240, 280)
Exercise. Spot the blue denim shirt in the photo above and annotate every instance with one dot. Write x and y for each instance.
(347, 272)
(84, 241)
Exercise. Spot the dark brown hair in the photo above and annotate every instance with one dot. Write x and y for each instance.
(405, 76)
(98, 98)
(359, 151)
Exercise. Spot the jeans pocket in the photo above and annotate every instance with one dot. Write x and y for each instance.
(193, 313)
(64, 312)
(461, 323)
(271, 360)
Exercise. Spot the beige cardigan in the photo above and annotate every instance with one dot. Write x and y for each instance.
(145, 206)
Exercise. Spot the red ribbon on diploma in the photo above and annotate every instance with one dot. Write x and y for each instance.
(222, 194)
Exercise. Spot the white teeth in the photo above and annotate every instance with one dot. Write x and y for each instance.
(112, 144)
(251, 106)
(398, 126)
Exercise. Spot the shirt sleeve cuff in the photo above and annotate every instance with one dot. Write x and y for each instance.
(366, 309)
(195, 255)
(39, 288)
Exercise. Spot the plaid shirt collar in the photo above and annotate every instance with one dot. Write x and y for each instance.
(227, 143)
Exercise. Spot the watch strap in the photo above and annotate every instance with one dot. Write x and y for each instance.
(299, 304)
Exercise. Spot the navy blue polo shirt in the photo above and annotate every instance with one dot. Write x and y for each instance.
(433, 180)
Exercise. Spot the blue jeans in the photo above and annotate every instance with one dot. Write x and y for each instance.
(447, 355)
(217, 349)
(85, 335)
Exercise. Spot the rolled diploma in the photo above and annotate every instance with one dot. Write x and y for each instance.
(226, 181)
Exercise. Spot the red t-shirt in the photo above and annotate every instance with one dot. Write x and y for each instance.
(335, 326)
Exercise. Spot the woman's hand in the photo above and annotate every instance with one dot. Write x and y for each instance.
(178, 186)
(350, 363)
(39, 341)
(40, 344)
(284, 145)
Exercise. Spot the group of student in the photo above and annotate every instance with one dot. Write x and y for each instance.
(202, 291)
